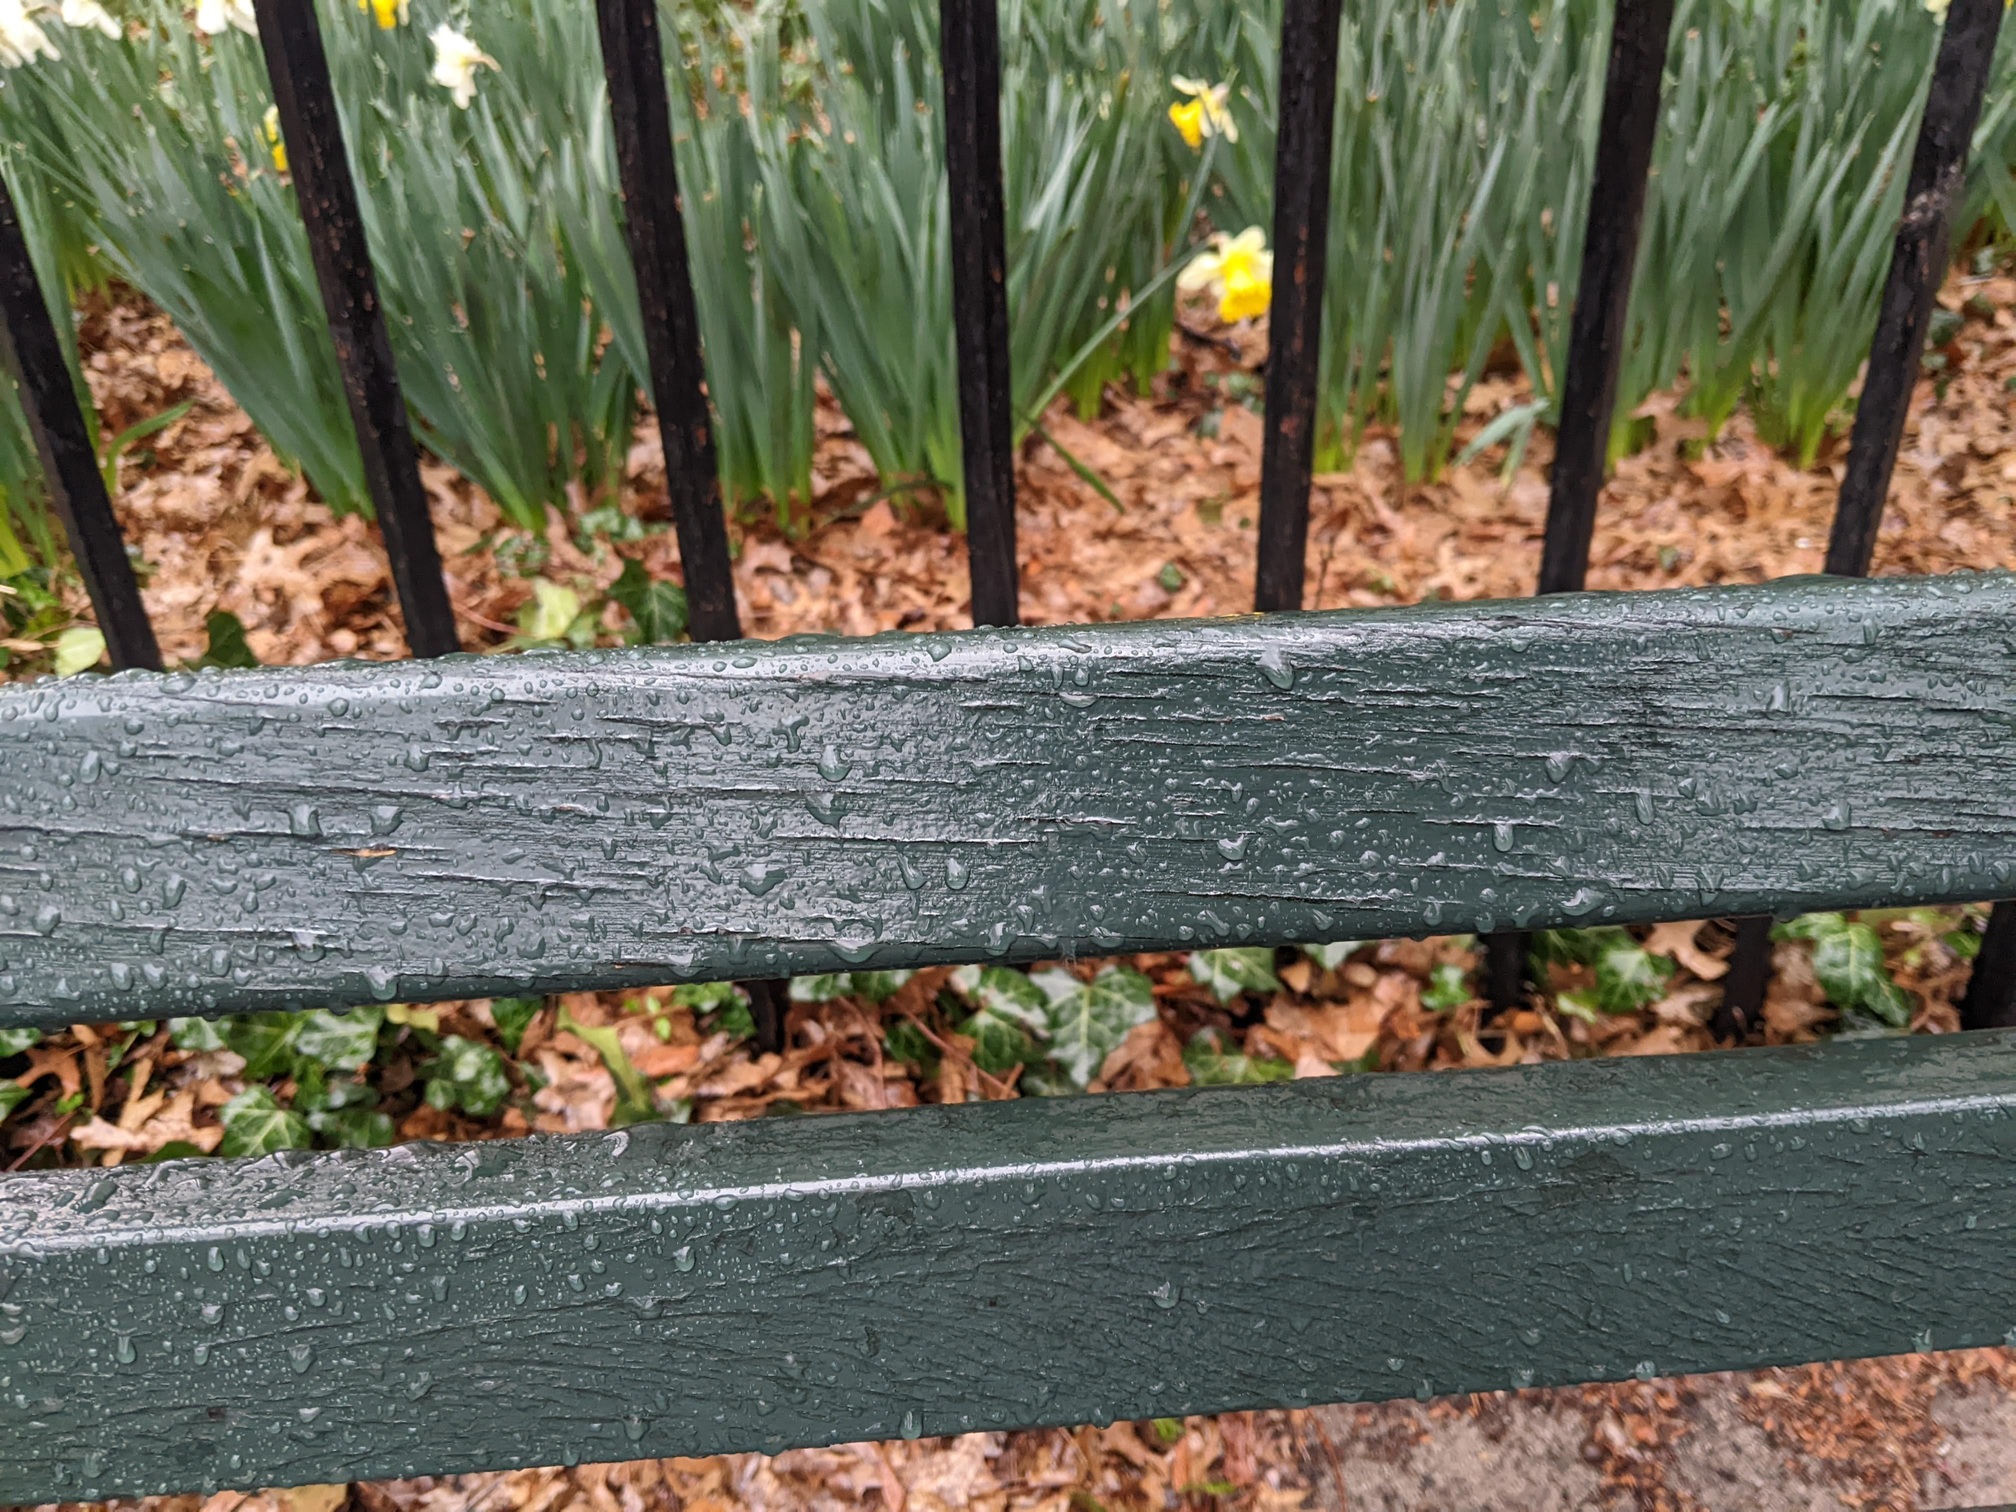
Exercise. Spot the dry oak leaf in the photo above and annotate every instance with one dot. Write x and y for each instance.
(172, 1122)
(1677, 940)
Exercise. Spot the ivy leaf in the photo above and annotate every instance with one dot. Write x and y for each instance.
(657, 608)
(875, 986)
(1574, 947)
(1814, 926)
(1000, 1043)
(821, 989)
(340, 1041)
(1227, 973)
(1007, 995)
(1086, 1026)
(14, 1041)
(1849, 964)
(79, 649)
(227, 646)
(1330, 957)
(513, 1016)
(879, 986)
(12, 1095)
(905, 1042)
(1211, 1065)
(1448, 988)
(468, 1075)
(195, 1034)
(266, 1040)
(254, 1124)
(354, 1128)
(1630, 977)
(706, 997)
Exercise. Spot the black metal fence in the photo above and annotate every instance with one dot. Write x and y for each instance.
(971, 60)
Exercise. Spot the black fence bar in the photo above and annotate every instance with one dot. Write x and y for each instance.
(633, 61)
(33, 352)
(1596, 338)
(1306, 129)
(299, 70)
(1918, 261)
(969, 33)
(1990, 1002)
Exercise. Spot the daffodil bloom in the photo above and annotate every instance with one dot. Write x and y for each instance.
(269, 127)
(1206, 113)
(21, 40)
(1238, 269)
(213, 16)
(456, 60)
(79, 14)
(390, 13)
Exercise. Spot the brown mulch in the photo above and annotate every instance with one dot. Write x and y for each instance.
(223, 525)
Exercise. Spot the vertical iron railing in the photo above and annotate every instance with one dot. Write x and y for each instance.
(298, 67)
(33, 351)
(1305, 133)
(1918, 262)
(969, 46)
(640, 106)
(1597, 336)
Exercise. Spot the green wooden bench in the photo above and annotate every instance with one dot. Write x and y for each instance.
(218, 842)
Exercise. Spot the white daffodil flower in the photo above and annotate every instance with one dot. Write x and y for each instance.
(21, 39)
(456, 59)
(214, 16)
(80, 14)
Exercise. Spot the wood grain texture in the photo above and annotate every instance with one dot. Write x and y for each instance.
(198, 843)
(668, 1290)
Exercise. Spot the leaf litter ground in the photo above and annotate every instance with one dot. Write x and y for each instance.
(223, 525)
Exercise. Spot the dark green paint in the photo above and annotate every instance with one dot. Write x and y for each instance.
(334, 834)
(792, 1281)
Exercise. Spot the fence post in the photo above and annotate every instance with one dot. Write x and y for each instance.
(633, 62)
(299, 70)
(969, 45)
(1596, 339)
(34, 355)
(1305, 134)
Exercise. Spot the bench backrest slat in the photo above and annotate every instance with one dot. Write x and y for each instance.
(192, 844)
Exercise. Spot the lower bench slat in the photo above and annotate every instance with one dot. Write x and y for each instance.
(466, 827)
(663, 1291)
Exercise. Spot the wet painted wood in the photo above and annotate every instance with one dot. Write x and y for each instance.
(327, 196)
(1596, 340)
(217, 841)
(33, 353)
(1307, 123)
(653, 223)
(664, 1290)
(970, 57)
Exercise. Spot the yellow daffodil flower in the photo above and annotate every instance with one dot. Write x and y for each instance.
(213, 16)
(1238, 269)
(269, 126)
(80, 14)
(390, 13)
(1206, 114)
(21, 39)
(456, 60)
